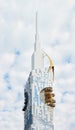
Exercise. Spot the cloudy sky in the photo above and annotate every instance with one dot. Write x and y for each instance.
(17, 37)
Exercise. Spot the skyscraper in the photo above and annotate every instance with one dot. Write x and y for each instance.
(38, 93)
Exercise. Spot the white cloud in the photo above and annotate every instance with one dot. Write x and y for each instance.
(57, 37)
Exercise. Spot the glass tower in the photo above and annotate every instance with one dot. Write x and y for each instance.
(38, 93)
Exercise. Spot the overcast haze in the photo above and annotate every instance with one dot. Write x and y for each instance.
(56, 27)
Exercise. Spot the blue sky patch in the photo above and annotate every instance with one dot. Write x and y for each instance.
(17, 52)
(68, 59)
(6, 77)
(9, 87)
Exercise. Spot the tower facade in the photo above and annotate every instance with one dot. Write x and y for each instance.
(38, 93)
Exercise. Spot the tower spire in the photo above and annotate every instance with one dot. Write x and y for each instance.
(36, 23)
(37, 44)
(37, 61)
